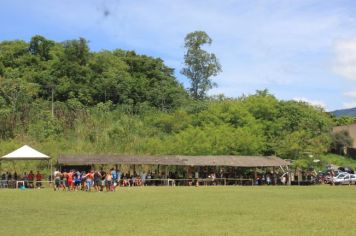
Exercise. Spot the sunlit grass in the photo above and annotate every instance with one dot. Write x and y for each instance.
(314, 210)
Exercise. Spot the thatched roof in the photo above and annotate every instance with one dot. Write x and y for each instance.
(237, 161)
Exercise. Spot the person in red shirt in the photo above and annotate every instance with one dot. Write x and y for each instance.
(30, 178)
(38, 180)
(70, 180)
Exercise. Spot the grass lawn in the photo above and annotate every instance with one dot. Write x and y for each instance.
(314, 210)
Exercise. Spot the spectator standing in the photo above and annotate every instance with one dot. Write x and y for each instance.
(118, 177)
(89, 180)
(143, 178)
(77, 180)
(3, 180)
(108, 181)
(9, 176)
(64, 180)
(114, 178)
(268, 179)
(57, 180)
(103, 174)
(25, 179)
(283, 179)
(30, 177)
(38, 180)
(97, 181)
(70, 180)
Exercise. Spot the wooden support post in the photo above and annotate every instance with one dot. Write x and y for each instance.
(196, 175)
(289, 176)
(255, 175)
(51, 170)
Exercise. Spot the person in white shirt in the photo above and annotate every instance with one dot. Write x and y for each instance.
(57, 180)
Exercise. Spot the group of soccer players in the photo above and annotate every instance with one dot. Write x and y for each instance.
(86, 181)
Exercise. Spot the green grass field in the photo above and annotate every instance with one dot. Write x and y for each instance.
(317, 210)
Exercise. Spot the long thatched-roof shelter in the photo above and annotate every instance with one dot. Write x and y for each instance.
(235, 161)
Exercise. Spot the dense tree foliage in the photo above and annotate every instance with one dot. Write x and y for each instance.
(76, 73)
(121, 102)
(344, 120)
(340, 140)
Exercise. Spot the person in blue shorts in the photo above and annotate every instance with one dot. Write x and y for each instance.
(77, 180)
(89, 180)
(114, 178)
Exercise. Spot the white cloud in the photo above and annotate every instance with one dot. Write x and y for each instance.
(349, 104)
(311, 102)
(345, 64)
(274, 44)
(351, 94)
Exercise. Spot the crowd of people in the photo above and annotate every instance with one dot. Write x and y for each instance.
(29, 180)
(108, 180)
(271, 179)
(98, 180)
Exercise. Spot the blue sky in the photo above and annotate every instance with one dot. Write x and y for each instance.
(297, 49)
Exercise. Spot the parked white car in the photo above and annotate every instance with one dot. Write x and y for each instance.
(344, 178)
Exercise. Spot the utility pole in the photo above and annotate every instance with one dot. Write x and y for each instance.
(52, 102)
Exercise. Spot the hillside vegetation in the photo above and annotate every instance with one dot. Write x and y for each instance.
(124, 103)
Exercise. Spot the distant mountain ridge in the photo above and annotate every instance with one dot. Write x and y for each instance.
(345, 112)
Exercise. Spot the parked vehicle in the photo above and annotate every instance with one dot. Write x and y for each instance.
(344, 178)
(323, 177)
(328, 175)
(347, 169)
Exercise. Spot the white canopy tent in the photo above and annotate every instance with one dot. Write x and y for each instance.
(26, 153)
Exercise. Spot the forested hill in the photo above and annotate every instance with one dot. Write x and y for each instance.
(82, 77)
(118, 102)
(345, 112)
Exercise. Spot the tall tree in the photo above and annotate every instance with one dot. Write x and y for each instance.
(40, 46)
(200, 65)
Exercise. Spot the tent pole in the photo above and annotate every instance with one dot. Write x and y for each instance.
(13, 165)
(48, 169)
